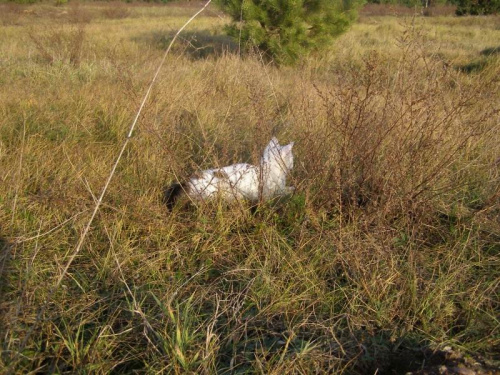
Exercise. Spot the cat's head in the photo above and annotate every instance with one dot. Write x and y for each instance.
(283, 155)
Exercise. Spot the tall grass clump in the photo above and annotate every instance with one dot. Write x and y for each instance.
(60, 44)
(386, 252)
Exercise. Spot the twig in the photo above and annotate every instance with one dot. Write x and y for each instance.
(38, 235)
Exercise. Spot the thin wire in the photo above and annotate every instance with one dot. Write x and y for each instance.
(105, 188)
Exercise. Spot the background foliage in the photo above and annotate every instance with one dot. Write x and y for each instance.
(477, 7)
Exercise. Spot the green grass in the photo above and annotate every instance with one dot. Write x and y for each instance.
(389, 247)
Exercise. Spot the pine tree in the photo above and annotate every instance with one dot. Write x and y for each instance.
(287, 30)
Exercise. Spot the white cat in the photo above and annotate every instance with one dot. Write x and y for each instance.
(240, 181)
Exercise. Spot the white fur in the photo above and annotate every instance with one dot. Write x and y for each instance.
(245, 181)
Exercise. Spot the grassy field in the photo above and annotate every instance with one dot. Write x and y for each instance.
(388, 250)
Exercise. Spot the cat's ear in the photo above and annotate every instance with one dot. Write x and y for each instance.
(272, 147)
(288, 148)
(274, 142)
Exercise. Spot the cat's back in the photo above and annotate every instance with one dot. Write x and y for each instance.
(240, 172)
(239, 168)
(244, 178)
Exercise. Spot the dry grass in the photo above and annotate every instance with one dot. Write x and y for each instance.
(401, 10)
(116, 10)
(389, 247)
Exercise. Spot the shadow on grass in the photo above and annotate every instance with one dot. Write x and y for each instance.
(376, 354)
(198, 45)
(409, 355)
(490, 51)
(479, 65)
(413, 356)
(473, 67)
(5, 256)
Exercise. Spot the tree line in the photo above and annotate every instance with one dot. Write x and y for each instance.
(464, 7)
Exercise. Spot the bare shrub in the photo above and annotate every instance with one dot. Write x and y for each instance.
(60, 43)
(10, 13)
(79, 14)
(439, 10)
(391, 139)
